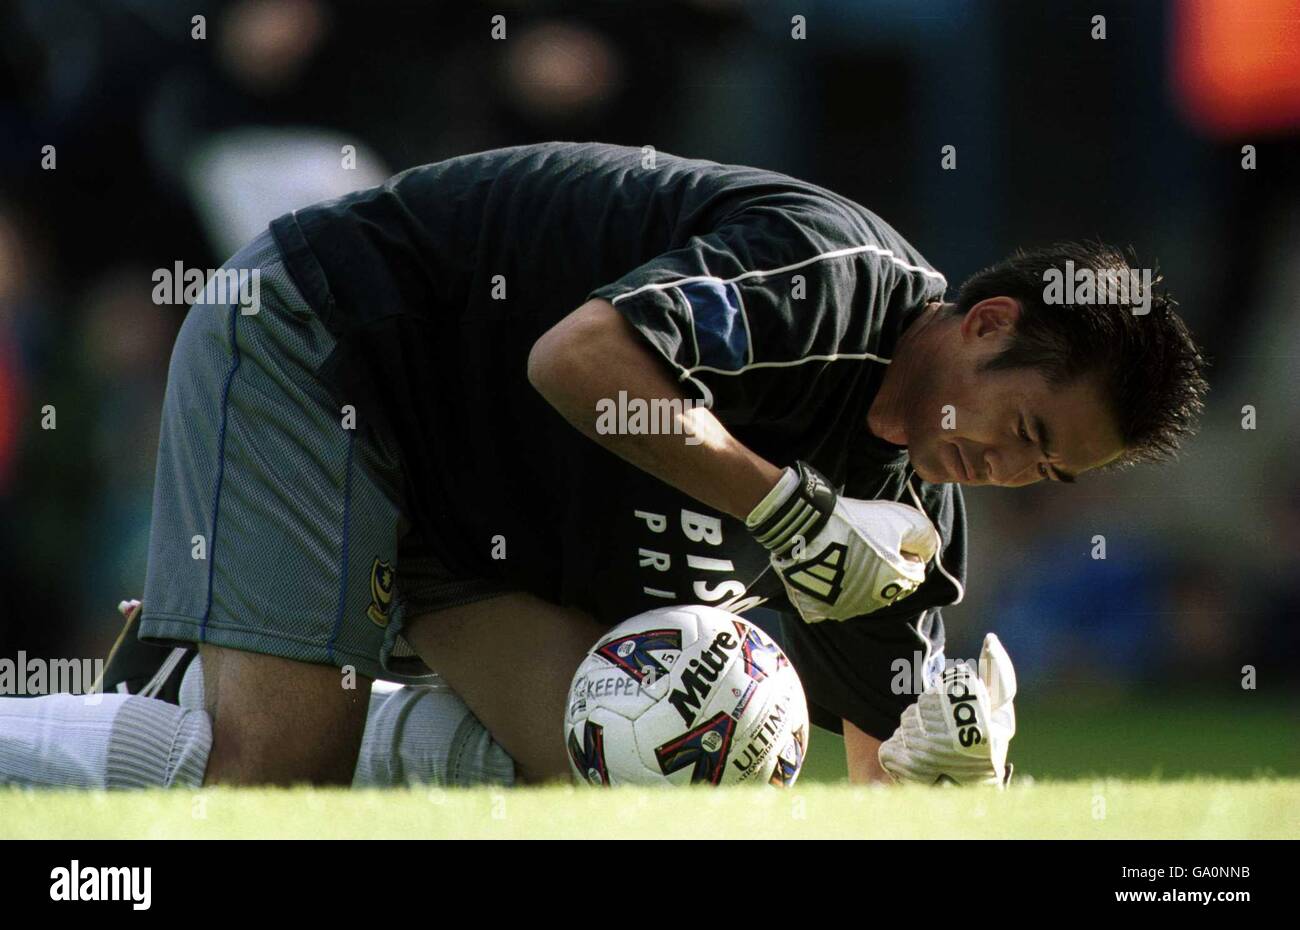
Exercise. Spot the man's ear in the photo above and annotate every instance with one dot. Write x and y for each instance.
(993, 317)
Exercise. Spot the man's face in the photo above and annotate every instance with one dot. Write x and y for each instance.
(1007, 428)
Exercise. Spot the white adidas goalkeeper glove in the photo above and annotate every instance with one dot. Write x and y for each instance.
(838, 557)
(959, 728)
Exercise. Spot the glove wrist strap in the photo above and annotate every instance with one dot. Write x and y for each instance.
(797, 508)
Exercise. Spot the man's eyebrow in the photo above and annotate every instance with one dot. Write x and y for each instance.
(1045, 443)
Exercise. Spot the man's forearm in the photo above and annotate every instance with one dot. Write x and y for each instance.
(591, 356)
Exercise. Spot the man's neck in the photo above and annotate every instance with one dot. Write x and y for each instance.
(886, 417)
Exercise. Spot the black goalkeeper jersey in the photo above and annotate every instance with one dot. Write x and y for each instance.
(772, 300)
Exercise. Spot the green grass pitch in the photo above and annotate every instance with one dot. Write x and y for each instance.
(1099, 770)
(1079, 809)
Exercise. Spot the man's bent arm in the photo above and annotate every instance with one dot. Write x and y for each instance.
(591, 355)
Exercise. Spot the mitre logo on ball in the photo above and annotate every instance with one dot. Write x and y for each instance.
(686, 695)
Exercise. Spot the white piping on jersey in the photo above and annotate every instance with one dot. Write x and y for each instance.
(760, 273)
(685, 373)
(695, 339)
(838, 356)
(749, 336)
(688, 373)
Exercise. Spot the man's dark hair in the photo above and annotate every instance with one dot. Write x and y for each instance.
(1149, 367)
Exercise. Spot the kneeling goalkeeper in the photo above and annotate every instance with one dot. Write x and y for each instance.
(375, 470)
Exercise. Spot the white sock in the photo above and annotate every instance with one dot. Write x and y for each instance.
(102, 741)
(425, 735)
(414, 735)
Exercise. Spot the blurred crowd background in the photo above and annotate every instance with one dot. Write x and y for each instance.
(172, 148)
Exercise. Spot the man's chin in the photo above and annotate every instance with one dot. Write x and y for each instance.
(929, 471)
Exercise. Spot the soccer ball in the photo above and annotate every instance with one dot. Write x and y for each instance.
(686, 695)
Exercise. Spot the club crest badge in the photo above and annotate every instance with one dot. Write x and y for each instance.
(382, 577)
